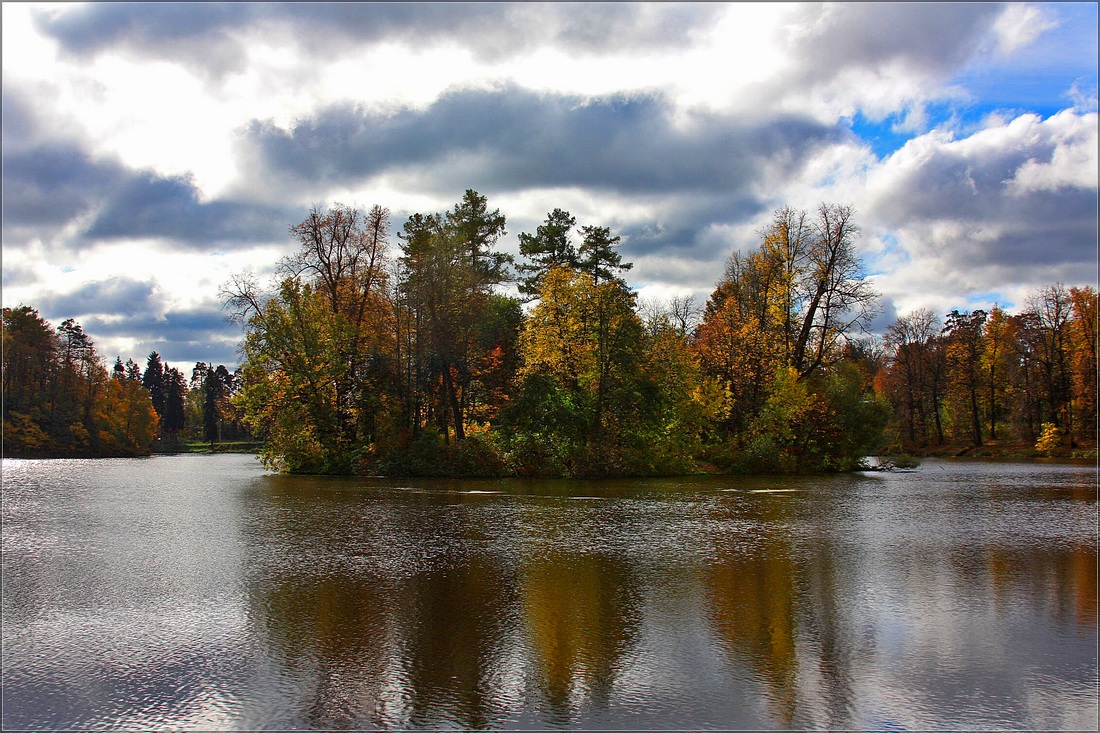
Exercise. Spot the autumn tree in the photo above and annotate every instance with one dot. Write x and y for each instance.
(915, 375)
(601, 392)
(449, 272)
(316, 349)
(30, 368)
(29, 353)
(581, 349)
(998, 366)
(964, 345)
(1083, 359)
(795, 301)
(59, 398)
(1047, 317)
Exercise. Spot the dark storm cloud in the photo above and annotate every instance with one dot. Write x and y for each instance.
(928, 36)
(48, 186)
(513, 138)
(148, 205)
(198, 33)
(207, 34)
(180, 336)
(117, 296)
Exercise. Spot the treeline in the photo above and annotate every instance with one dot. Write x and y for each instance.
(60, 399)
(364, 357)
(976, 377)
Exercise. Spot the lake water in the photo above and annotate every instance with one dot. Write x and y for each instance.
(199, 592)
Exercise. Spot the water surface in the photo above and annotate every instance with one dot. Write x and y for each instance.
(200, 592)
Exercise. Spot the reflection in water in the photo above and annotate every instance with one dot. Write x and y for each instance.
(753, 606)
(332, 635)
(581, 616)
(961, 596)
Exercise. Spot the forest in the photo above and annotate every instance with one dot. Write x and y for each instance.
(371, 356)
(61, 401)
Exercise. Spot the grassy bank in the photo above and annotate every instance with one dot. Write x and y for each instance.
(185, 446)
(998, 449)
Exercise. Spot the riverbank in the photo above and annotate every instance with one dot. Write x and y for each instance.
(251, 447)
(1003, 449)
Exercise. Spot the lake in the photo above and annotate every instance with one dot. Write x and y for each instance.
(199, 592)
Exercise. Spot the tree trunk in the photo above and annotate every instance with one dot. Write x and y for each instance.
(452, 397)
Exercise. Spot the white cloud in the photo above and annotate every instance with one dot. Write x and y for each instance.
(995, 212)
(1073, 163)
(1019, 25)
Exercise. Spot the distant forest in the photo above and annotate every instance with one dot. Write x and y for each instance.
(368, 356)
(61, 401)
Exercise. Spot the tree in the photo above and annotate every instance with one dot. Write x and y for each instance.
(795, 301)
(587, 405)
(998, 365)
(834, 297)
(81, 378)
(965, 343)
(317, 349)
(59, 398)
(30, 368)
(1049, 310)
(216, 387)
(153, 380)
(915, 373)
(126, 421)
(29, 352)
(597, 255)
(1083, 358)
(174, 418)
(684, 312)
(549, 247)
(449, 271)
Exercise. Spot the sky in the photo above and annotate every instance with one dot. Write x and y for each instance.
(151, 151)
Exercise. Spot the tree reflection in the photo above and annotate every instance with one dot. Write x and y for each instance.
(336, 634)
(582, 615)
(1062, 580)
(377, 623)
(753, 595)
(454, 638)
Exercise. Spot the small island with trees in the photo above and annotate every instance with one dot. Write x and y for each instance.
(373, 357)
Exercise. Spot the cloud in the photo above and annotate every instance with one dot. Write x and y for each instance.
(516, 139)
(1011, 206)
(118, 295)
(152, 206)
(50, 187)
(931, 39)
(214, 36)
(127, 318)
(176, 142)
(1019, 25)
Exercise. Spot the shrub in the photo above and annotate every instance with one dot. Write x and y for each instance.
(1050, 440)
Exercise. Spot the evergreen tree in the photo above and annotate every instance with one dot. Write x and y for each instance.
(154, 381)
(549, 247)
(597, 255)
(133, 371)
(175, 395)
